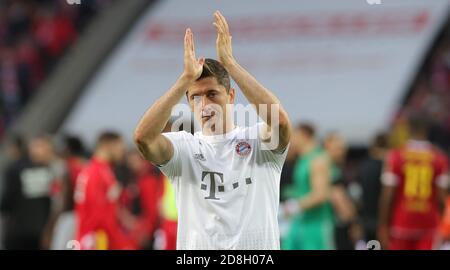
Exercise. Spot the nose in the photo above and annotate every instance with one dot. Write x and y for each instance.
(205, 102)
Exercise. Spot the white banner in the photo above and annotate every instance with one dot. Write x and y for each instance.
(343, 65)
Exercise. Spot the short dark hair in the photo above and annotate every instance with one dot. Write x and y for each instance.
(107, 137)
(308, 129)
(381, 141)
(47, 138)
(213, 68)
(74, 145)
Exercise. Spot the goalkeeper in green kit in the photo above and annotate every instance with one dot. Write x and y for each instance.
(310, 209)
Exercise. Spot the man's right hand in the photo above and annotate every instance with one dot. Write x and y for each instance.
(193, 67)
(154, 146)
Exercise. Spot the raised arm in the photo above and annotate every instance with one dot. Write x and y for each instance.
(255, 93)
(148, 134)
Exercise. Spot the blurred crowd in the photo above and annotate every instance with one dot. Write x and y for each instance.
(344, 211)
(56, 195)
(33, 36)
(430, 97)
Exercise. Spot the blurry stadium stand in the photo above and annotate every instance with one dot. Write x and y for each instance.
(58, 93)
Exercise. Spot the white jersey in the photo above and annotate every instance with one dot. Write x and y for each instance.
(227, 190)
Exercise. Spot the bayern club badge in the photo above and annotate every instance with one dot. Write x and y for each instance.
(243, 148)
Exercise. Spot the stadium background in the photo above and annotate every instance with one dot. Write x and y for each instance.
(347, 66)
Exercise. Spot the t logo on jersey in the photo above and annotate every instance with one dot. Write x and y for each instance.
(220, 186)
(212, 186)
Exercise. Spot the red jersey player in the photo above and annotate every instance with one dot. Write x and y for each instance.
(146, 188)
(96, 198)
(414, 188)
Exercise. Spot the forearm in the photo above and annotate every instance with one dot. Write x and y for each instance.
(320, 184)
(155, 119)
(256, 93)
(312, 200)
(385, 205)
(384, 211)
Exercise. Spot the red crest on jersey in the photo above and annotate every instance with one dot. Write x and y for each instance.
(243, 148)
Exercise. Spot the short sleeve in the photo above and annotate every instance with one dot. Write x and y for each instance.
(268, 155)
(173, 167)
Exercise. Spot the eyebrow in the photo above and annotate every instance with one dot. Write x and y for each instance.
(205, 92)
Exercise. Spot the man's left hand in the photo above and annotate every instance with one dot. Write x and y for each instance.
(223, 42)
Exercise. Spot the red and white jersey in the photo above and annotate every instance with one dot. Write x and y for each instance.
(417, 170)
(96, 200)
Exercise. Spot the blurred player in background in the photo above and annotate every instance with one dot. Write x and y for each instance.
(344, 208)
(415, 181)
(166, 235)
(74, 156)
(96, 196)
(16, 153)
(286, 183)
(444, 229)
(312, 226)
(142, 198)
(369, 176)
(29, 194)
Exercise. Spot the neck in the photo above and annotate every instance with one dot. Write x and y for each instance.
(226, 127)
(309, 147)
(102, 156)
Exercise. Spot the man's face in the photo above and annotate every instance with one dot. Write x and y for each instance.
(117, 150)
(208, 100)
(40, 150)
(336, 147)
(301, 140)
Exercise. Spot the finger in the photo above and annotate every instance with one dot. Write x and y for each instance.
(201, 61)
(191, 39)
(216, 16)
(192, 45)
(218, 21)
(223, 21)
(218, 28)
(186, 42)
(188, 46)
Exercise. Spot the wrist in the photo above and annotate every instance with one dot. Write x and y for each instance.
(229, 62)
(185, 80)
(292, 207)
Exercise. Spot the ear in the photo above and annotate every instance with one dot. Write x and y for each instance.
(232, 94)
(187, 98)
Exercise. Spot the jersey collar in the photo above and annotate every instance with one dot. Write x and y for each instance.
(218, 138)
